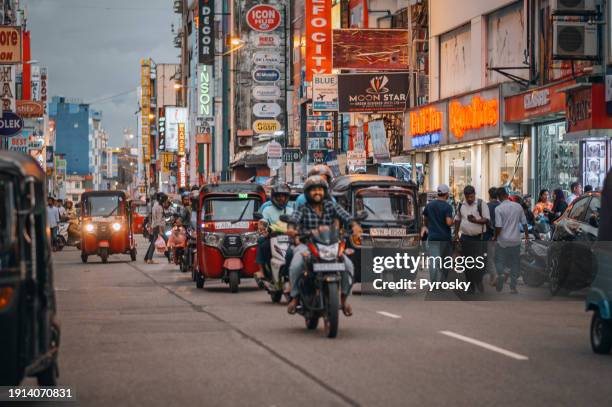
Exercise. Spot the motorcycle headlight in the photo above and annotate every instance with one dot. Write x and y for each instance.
(116, 226)
(211, 239)
(328, 253)
(250, 239)
(168, 233)
(89, 227)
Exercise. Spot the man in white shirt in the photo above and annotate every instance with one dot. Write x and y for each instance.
(509, 216)
(575, 192)
(471, 222)
(53, 219)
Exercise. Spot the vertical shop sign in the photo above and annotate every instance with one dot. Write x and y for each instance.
(205, 98)
(206, 40)
(318, 38)
(145, 108)
(162, 129)
(7, 87)
(181, 139)
(43, 87)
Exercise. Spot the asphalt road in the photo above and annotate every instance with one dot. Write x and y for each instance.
(136, 334)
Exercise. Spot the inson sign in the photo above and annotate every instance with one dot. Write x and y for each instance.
(375, 92)
(205, 100)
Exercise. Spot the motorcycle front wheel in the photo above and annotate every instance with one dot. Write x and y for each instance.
(332, 307)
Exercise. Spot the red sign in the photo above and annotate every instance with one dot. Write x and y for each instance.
(586, 109)
(361, 49)
(263, 18)
(29, 108)
(425, 121)
(536, 103)
(318, 38)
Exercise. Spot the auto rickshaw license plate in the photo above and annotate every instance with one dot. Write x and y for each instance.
(232, 225)
(318, 267)
(381, 232)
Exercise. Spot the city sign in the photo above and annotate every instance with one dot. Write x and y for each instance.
(206, 32)
(10, 45)
(10, 124)
(275, 154)
(264, 40)
(318, 37)
(267, 58)
(266, 110)
(292, 155)
(266, 126)
(263, 18)
(266, 75)
(477, 114)
(266, 92)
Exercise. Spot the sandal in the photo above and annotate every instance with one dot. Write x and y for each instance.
(347, 310)
(292, 307)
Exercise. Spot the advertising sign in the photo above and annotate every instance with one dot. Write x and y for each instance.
(267, 58)
(266, 110)
(182, 172)
(145, 108)
(10, 45)
(265, 40)
(426, 126)
(174, 117)
(263, 18)
(318, 38)
(536, 103)
(29, 108)
(181, 139)
(292, 155)
(43, 87)
(206, 32)
(356, 161)
(19, 144)
(373, 92)
(35, 81)
(316, 156)
(205, 94)
(376, 129)
(360, 49)
(474, 114)
(325, 93)
(10, 124)
(586, 110)
(7, 87)
(266, 126)
(266, 75)
(275, 155)
(161, 128)
(266, 92)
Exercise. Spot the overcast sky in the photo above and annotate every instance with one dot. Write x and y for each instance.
(92, 49)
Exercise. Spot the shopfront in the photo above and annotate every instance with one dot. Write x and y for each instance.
(554, 160)
(463, 141)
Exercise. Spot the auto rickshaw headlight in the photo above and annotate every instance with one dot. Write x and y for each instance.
(116, 226)
(89, 227)
(211, 239)
(250, 239)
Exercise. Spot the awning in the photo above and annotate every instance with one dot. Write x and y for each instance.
(587, 134)
(256, 156)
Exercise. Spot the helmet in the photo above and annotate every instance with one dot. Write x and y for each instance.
(314, 181)
(186, 194)
(321, 169)
(279, 189)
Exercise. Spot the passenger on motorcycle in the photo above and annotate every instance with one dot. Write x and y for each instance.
(319, 211)
(271, 220)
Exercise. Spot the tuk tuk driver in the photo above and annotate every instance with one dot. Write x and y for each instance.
(271, 219)
(319, 211)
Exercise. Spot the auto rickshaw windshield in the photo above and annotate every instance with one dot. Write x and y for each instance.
(386, 206)
(229, 209)
(6, 213)
(103, 205)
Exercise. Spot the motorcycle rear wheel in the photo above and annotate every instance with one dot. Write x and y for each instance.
(234, 281)
(332, 308)
(104, 254)
(311, 323)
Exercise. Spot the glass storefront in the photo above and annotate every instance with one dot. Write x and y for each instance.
(506, 165)
(457, 169)
(557, 161)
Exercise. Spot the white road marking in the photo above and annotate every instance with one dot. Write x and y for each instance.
(485, 345)
(388, 314)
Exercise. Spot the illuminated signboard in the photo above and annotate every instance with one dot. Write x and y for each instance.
(477, 114)
(425, 121)
(181, 139)
(145, 107)
(425, 140)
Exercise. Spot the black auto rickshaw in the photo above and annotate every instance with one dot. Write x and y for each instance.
(29, 332)
(391, 206)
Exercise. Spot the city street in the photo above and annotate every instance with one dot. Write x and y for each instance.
(136, 334)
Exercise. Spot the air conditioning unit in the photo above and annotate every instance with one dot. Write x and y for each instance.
(574, 40)
(573, 7)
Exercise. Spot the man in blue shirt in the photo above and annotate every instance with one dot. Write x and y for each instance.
(438, 218)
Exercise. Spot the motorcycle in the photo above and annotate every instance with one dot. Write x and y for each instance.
(533, 259)
(67, 236)
(278, 278)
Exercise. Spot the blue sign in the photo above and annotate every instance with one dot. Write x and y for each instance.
(425, 140)
(266, 75)
(10, 124)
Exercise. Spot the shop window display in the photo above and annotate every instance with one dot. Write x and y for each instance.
(558, 161)
(458, 171)
(506, 165)
(594, 163)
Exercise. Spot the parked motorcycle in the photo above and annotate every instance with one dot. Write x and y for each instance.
(534, 255)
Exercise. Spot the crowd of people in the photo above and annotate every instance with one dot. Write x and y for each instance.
(59, 211)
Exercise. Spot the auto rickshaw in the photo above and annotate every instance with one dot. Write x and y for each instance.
(140, 211)
(391, 206)
(106, 219)
(29, 332)
(227, 232)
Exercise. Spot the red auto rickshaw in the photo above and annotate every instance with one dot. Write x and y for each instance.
(106, 225)
(227, 232)
(140, 211)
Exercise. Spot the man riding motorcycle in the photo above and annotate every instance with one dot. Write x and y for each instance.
(271, 220)
(319, 211)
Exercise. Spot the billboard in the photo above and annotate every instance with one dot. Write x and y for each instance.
(7, 87)
(10, 45)
(174, 117)
(325, 93)
(373, 92)
(371, 49)
(206, 32)
(318, 37)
